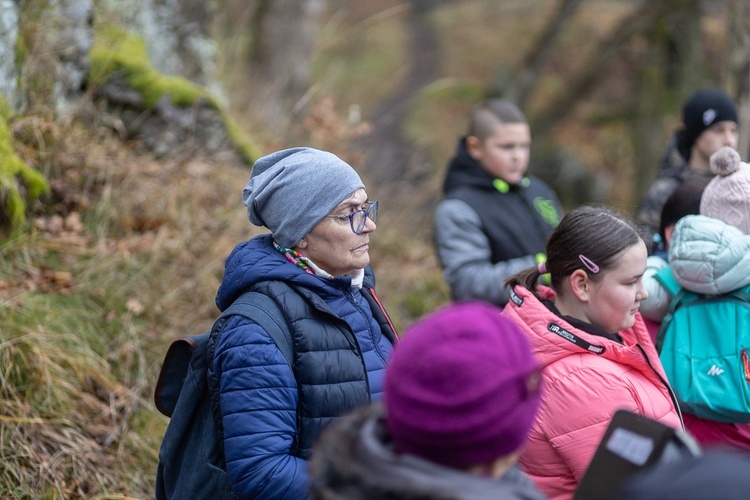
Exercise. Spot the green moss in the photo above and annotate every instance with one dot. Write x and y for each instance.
(6, 113)
(247, 149)
(22, 52)
(13, 169)
(117, 50)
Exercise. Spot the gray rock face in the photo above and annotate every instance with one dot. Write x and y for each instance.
(55, 73)
(55, 63)
(176, 34)
(177, 39)
(8, 34)
(73, 38)
(166, 129)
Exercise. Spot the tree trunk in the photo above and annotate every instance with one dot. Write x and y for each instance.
(641, 20)
(524, 84)
(8, 41)
(739, 68)
(283, 36)
(390, 158)
(668, 71)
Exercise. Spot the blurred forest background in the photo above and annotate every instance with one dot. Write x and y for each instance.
(127, 131)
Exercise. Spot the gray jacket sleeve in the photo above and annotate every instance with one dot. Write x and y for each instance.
(464, 253)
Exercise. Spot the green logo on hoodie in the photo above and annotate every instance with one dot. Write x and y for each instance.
(546, 209)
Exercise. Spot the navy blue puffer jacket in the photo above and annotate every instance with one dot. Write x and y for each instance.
(272, 415)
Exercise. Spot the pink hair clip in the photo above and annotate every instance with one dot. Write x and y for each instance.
(589, 265)
(542, 267)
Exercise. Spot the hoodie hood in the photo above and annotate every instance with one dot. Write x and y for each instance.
(709, 256)
(463, 170)
(257, 260)
(356, 460)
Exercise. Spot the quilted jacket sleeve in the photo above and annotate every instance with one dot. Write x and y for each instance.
(656, 306)
(258, 400)
(464, 252)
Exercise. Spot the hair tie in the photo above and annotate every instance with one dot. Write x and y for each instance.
(542, 267)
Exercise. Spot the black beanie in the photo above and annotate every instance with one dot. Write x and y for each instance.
(702, 109)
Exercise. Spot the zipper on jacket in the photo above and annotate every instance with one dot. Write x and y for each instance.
(374, 297)
(319, 304)
(375, 345)
(669, 387)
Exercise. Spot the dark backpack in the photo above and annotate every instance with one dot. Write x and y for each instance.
(191, 456)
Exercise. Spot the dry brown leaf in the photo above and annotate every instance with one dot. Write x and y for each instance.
(135, 306)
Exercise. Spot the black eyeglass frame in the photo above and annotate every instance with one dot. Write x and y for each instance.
(371, 212)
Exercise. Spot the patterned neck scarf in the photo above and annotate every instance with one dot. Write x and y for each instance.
(309, 266)
(301, 261)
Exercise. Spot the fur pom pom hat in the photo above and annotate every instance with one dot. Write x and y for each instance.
(462, 387)
(727, 196)
(291, 190)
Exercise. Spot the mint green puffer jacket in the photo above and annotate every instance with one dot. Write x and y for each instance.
(706, 256)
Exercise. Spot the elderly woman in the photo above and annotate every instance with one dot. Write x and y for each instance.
(314, 265)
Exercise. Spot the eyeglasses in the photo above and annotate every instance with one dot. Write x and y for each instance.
(358, 218)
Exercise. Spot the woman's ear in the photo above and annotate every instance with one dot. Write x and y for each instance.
(302, 243)
(580, 285)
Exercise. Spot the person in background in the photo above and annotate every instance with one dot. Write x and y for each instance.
(709, 121)
(461, 393)
(315, 265)
(494, 219)
(587, 333)
(685, 200)
(708, 254)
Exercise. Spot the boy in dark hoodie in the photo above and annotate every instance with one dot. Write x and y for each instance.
(494, 219)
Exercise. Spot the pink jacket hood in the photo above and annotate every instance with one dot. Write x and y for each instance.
(587, 378)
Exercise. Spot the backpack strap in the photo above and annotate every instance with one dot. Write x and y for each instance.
(666, 279)
(676, 301)
(741, 294)
(261, 309)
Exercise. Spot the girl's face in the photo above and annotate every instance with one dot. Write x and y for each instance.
(614, 300)
(504, 154)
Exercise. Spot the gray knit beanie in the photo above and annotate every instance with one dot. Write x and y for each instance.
(291, 190)
(727, 196)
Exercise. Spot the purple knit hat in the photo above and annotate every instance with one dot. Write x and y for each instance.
(462, 387)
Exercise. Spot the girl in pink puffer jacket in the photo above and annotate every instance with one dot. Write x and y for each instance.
(588, 335)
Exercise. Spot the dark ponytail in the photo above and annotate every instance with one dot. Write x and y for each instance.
(528, 278)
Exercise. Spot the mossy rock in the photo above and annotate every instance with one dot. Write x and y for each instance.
(116, 50)
(15, 195)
